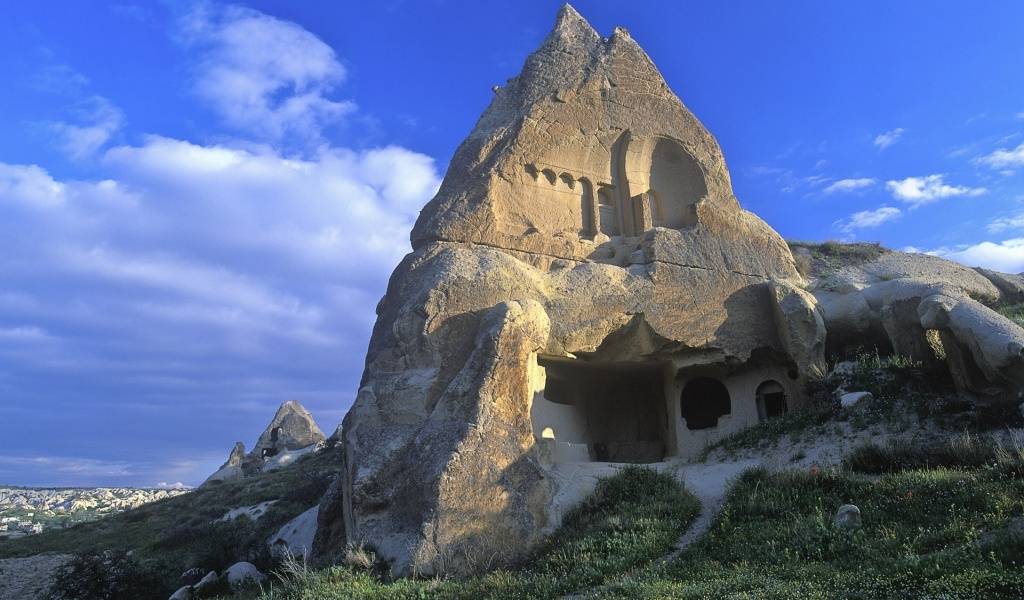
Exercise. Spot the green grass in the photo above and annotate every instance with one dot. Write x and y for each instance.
(950, 532)
(925, 534)
(1013, 312)
(964, 451)
(630, 520)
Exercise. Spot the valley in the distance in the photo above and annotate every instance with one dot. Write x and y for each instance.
(26, 511)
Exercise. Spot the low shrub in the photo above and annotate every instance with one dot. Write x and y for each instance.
(106, 576)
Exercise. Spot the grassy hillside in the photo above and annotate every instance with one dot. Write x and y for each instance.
(170, 536)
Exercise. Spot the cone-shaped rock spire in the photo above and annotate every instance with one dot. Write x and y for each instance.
(562, 161)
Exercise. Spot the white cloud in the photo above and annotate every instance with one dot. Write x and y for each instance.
(103, 120)
(869, 218)
(1004, 223)
(29, 185)
(1004, 158)
(265, 76)
(922, 190)
(849, 185)
(888, 138)
(1006, 256)
(188, 277)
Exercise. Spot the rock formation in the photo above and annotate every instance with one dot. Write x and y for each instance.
(584, 288)
(291, 429)
(231, 469)
(932, 311)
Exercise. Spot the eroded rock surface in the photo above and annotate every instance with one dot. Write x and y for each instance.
(934, 311)
(583, 288)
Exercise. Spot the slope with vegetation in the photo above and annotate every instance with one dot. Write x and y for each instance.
(942, 507)
(169, 537)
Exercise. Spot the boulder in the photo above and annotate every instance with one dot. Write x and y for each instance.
(848, 515)
(930, 310)
(207, 585)
(296, 536)
(851, 399)
(584, 287)
(242, 574)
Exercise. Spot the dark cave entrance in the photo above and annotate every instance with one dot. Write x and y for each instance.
(617, 410)
(702, 401)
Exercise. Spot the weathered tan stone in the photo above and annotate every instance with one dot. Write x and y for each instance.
(584, 287)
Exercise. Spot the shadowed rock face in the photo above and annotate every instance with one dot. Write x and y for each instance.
(583, 288)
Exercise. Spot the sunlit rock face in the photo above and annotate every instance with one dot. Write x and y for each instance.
(584, 289)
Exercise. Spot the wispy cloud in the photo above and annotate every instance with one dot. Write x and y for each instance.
(263, 75)
(888, 138)
(868, 219)
(99, 121)
(922, 190)
(71, 466)
(849, 185)
(1003, 223)
(1004, 158)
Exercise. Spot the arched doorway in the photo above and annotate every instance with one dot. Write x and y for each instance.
(771, 400)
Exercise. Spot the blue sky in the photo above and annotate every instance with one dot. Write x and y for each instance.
(201, 202)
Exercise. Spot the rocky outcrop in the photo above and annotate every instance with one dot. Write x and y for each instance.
(291, 433)
(933, 311)
(292, 428)
(584, 287)
(232, 469)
